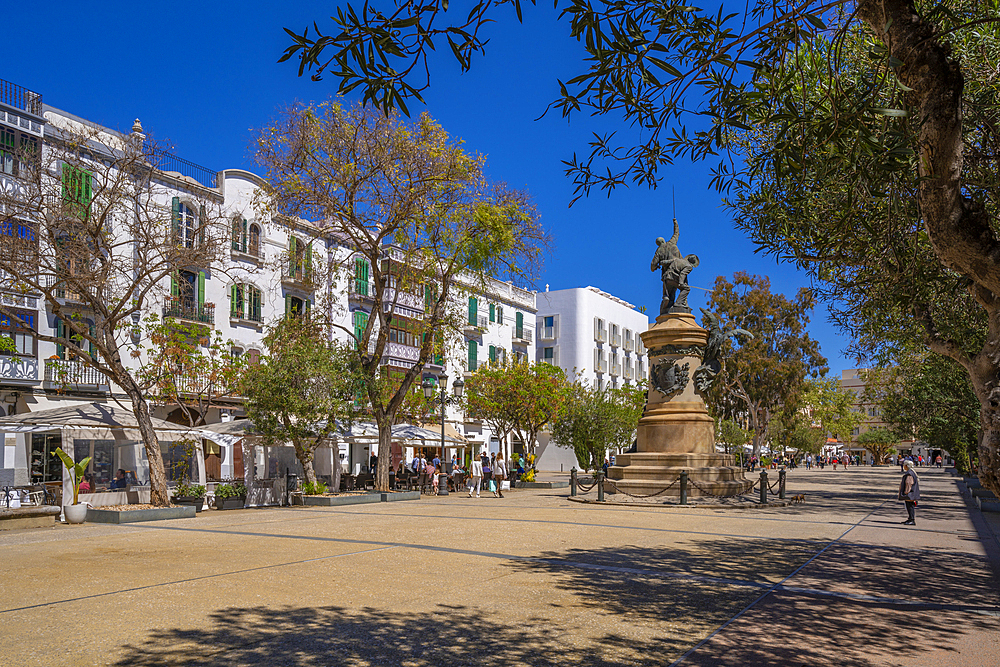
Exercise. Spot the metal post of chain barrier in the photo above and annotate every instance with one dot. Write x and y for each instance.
(781, 484)
(684, 487)
(600, 486)
(572, 481)
(763, 487)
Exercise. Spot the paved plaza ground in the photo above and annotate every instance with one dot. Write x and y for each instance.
(531, 579)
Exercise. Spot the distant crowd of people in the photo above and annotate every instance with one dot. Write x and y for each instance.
(488, 471)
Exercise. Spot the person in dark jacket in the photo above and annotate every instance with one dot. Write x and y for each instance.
(909, 492)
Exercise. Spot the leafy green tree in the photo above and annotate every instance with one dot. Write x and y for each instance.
(930, 397)
(880, 443)
(797, 432)
(732, 435)
(592, 421)
(491, 395)
(830, 406)
(765, 375)
(857, 136)
(416, 210)
(301, 388)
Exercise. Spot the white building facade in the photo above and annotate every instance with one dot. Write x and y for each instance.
(594, 337)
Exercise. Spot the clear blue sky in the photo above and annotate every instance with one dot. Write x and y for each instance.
(202, 75)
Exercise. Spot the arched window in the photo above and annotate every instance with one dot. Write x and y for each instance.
(255, 240)
(239, 234)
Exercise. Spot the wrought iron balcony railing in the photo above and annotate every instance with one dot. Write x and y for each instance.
(185, 309)
(522, 334)
(74, 374)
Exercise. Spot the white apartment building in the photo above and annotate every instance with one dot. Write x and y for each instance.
(852, 380)
(266, 274)
(593, 336)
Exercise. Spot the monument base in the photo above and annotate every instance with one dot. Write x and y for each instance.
(648, 473)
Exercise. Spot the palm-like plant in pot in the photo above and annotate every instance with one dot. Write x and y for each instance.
(75, 513)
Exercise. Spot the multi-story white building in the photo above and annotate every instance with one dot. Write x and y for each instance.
(265, 273)
(852, 380)
(594, 337)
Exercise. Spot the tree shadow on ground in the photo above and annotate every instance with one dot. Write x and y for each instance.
(648, 589)
(450, 635)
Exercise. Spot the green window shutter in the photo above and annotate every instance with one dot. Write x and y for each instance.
(292, 242)
(499, 314)
(473, 353)
(308, 306)
(61, 334)
(493, 354)
(519, 322)
(243, 237)
(93, 348)
(288, 305)
(234, 302)
(493, 313)
(473, 308)
(201, 289)
(309, 262)
(175, 219)
(67, 174)
(175, 288)
(255, 304)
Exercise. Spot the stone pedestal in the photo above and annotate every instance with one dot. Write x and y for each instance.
(676, 432)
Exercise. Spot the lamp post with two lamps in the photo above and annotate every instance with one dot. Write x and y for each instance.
(458, 386)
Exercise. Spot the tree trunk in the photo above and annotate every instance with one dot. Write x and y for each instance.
(158, 494)
(305, 457)
(336, 468)
(384, 453)
(985, 383)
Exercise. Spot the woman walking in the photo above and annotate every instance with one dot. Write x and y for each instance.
(476, 475)
(499, 474)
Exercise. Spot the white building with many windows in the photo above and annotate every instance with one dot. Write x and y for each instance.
(265, 272)
(593, 336)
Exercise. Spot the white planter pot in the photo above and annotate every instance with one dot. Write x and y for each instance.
(75, 513)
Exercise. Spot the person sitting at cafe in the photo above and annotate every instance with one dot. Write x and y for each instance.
(87, 486)
(119, 482)
(432, 476)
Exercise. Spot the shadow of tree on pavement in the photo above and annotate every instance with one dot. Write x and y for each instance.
(451, 635)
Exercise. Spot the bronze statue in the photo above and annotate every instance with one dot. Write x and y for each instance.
(674, 270)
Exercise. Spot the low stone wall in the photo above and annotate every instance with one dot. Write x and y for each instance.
(29, 517)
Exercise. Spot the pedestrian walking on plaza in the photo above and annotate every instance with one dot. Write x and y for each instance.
(476, 476)
(909, 493)
(499, 474)
(937, 461)
(809, 462)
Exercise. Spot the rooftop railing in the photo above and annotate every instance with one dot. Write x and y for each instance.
(20, 97)
(168, 162)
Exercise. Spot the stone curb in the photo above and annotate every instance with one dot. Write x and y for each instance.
(135, 516)
(672, 506)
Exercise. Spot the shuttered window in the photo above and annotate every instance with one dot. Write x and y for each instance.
(473, 310)
(473, 354)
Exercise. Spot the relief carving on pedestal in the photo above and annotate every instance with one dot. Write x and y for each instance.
(668, 377)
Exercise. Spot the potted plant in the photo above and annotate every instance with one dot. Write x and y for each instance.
(230, 496)
(77, 512)
(190, 494)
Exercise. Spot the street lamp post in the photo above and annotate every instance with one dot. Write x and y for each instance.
(458, 386)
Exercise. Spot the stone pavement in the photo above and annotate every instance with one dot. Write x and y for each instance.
(531, 579)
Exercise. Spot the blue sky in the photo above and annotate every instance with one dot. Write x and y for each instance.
(202, 75)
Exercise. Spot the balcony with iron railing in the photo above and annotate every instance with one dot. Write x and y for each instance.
(522, 334)
(20, 97)
(360, 289)
(190, 310)
(171, 164)
(73, 375)
(616, 340)
(476, 323)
